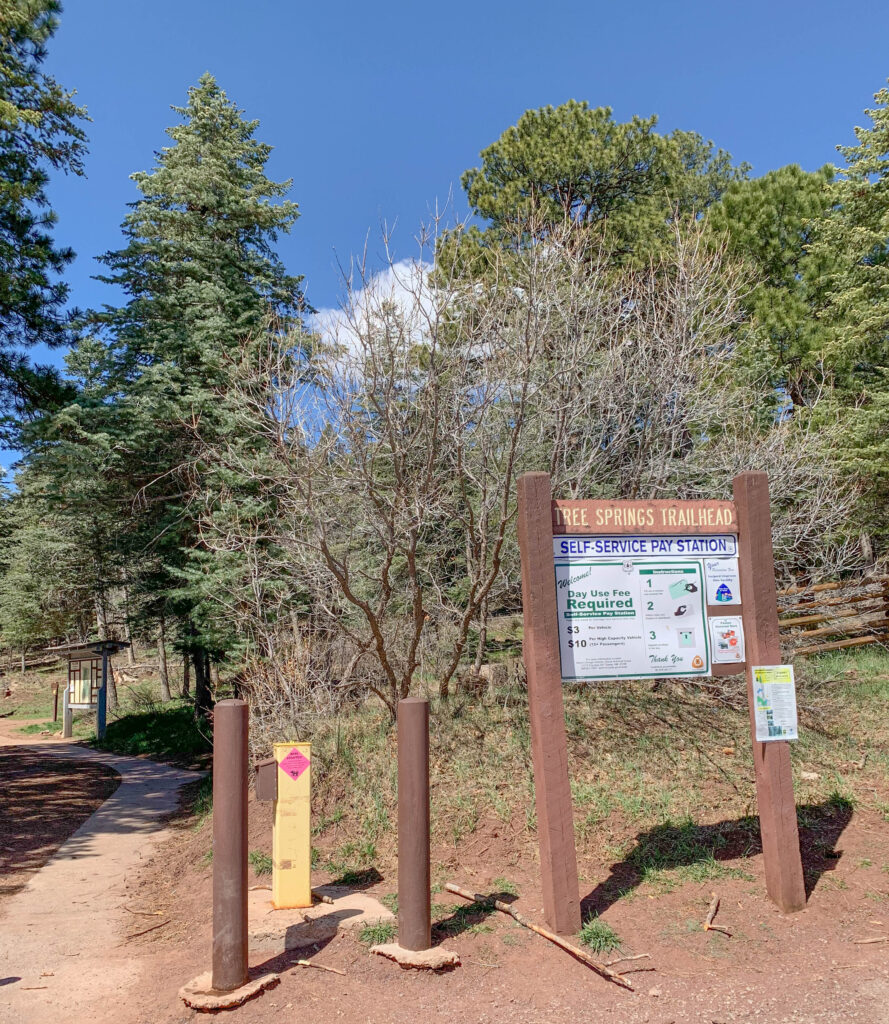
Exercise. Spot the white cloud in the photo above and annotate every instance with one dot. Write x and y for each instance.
(402, 285)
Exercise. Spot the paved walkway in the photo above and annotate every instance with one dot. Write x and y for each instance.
(63, 956)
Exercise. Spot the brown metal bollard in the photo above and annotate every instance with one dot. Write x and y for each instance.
(229, 845)
(414, 909)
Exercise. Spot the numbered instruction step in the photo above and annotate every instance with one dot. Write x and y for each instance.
(632, 619)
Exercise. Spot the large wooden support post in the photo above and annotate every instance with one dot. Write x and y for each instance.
(229, 845)
(774, 780)
(102, 699)
(549, 745)
(414, 906)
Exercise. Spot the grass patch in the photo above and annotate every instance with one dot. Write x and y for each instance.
(376, 934)
(165, 731)
(260, 861)
(36, 727)
(504, 886)
(599, 935)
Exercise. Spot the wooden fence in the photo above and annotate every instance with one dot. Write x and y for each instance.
(829, 616)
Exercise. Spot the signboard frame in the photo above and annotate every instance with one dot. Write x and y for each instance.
(540, 519)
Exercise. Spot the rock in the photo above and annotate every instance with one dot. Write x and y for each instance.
(809, 776)
(654, 992)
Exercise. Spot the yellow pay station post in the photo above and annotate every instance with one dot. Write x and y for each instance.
(286, 779)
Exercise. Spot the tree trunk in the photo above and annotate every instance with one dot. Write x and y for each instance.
(162, 662)
(214, 674)
(482, 636)
(101, 616)
(112, 687)
(203, 698)
(128, 636)
(186, 675)
(23, 661)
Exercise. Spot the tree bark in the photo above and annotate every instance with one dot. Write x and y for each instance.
(162, 661)
(203, 698)
(112, 687)
(186, 675)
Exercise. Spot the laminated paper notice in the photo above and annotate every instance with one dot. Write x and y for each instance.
(726, 639)
(774, 695)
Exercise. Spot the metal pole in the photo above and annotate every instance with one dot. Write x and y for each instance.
(55, 702)
(67, 717)
(102, 701)
(414, 909)
(229, 845)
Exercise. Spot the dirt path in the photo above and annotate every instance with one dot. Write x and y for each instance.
(63, 943)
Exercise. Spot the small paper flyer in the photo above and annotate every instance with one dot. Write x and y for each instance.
(726, 639)
(774, 695)
(723, 583)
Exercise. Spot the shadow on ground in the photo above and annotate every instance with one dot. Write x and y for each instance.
(43, 800)
(670, 854)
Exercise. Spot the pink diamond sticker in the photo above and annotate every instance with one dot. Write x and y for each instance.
(294, 763)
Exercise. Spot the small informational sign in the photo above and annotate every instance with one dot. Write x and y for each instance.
(726, 639)
(645, 546)
(631, 619)
(723, 583)
(774, 696)
(294, 763)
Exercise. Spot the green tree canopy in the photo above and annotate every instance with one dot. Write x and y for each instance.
(40, 130)
(576, 163)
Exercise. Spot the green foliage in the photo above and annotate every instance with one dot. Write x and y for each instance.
(169, 732)
(599, 935)
(769, 223)
(261, 862)
(377, 934)
(576, 163)
(40, 130)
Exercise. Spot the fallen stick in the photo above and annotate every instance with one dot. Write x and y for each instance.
(318, 967)
(321, 897)
(622, 959)
(579, 954)
(708, 925)
(867, 942)
(145, 931)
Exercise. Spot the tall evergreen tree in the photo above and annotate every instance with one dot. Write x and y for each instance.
(853, 242)
(200, 274)
(576, 163)
(769, 222)
(40, 130)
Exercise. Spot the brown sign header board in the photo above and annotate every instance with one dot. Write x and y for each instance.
(661, 517)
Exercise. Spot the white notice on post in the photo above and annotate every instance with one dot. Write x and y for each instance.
(774, 695)
(632, 619)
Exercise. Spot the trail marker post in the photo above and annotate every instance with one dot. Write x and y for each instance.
(414, 895)
(650, 589)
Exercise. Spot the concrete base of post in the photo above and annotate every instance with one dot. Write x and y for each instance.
(199, 994)
(435, 959)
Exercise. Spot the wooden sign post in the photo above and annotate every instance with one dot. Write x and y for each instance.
(546, 708)
(774, 779)
(647, 589)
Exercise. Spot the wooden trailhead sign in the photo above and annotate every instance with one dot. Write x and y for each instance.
(647, 589)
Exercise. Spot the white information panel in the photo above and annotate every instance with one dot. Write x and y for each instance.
(631, 619)
(774, 694)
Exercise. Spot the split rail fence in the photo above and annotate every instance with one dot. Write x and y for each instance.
(830, 616)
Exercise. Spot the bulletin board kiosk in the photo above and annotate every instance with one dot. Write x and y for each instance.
(87, 685)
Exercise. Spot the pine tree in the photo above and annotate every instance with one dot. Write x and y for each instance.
(769, 223)
(576, 163)
(853, 243)
(40, 130)
(200, 274)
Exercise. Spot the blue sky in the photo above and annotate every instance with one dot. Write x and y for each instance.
(375, 110)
